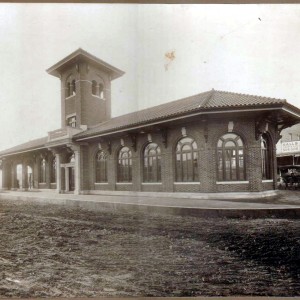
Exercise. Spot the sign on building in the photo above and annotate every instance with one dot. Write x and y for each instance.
(291, 146)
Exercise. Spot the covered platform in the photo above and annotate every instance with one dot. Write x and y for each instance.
(279, 204)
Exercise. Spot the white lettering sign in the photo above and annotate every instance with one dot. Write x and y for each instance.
(291, 146)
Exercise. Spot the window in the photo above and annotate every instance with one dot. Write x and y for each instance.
(186, 160)
(124, 165)
(152, 163)
(101, 166)
(43, 170)
(97, 89)
(231, 164)
(73, 86)
(94, 87)
(53, 171)
(101, 91)
(70, 87)
(71, 121)
(265, 158)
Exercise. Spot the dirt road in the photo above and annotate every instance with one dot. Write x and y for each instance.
(51, 250)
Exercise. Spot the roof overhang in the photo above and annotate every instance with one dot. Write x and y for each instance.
(279, 108)
(82, 55)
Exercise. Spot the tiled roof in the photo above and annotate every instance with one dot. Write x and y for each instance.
(197, 103)
(207, 101)
(31, 145)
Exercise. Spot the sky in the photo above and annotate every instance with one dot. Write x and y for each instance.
(167, 51)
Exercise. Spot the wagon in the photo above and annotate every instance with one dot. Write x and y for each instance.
(289, 176)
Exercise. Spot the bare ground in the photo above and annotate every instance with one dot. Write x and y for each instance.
(55, 251)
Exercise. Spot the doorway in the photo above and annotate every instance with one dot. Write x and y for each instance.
(71, 178)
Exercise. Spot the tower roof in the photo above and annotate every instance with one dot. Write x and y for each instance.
(80, 55)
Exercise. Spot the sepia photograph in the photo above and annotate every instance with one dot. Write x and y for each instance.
(149, 150)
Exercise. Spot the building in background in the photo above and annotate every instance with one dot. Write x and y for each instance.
(288, 147)
(214, 141)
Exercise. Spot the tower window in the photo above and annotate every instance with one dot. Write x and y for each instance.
(70, 88)
(71, 121)
(97, 89)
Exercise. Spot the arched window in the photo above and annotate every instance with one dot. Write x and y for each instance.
(231, 163)
(101, 166)
(152, 163)
(94, 87)
(186, 160)
(101, 91)
(124, 165)
(265, 158)
(73, 86)
(53, 170)
(43, 170)
(68, 90)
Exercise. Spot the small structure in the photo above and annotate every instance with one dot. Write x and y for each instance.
(211, 142)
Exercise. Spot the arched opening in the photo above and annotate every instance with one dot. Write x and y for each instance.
(42, 171)
(266, 157)
(19, 172)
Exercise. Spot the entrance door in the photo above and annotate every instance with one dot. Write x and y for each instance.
(71, 179)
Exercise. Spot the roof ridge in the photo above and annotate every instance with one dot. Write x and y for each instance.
(250, 95)
(203, 104)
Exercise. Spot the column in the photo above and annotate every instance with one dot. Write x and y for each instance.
(67, 185)
(24, 177)
(77, 171)
(5, 168)
(13, 176)
(58, 172)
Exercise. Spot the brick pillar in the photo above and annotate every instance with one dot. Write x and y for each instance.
(254, 168)
(207, 170)
(111, 172)
(168, 174)
(136, 171)
(85, 169)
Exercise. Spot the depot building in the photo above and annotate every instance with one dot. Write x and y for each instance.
(214, 141)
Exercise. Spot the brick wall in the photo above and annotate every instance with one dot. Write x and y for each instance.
(207, 158)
